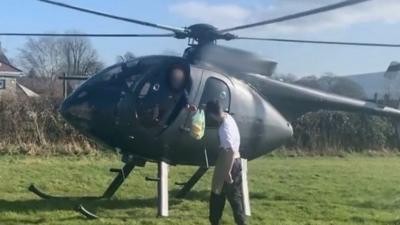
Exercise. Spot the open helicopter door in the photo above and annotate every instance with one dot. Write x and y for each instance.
(206, 86)
(217, 87)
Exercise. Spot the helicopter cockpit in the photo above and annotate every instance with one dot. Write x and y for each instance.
(161, 96)
(141, 97)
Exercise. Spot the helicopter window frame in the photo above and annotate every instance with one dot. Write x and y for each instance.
(226, 107)
(157, 79)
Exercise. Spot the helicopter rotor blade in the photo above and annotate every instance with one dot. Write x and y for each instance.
(85, 35)
(297, 15)
(144, 23)
(321, 42)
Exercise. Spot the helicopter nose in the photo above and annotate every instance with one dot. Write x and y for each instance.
(76, 110)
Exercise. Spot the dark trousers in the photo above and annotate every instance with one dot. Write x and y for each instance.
(234, 193)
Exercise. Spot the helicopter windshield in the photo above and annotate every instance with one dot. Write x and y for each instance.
(150, 91)
(116, 72)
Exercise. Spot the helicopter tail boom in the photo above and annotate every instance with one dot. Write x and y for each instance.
(294, 100)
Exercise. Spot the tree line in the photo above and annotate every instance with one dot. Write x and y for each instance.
(332, 132)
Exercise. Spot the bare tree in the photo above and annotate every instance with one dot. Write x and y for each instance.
(79, 57)
(43, 55)
(347, 87)
(49, 56)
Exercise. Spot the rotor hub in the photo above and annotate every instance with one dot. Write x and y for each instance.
(203, 34)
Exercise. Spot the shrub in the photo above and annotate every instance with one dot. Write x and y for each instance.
(34, 126)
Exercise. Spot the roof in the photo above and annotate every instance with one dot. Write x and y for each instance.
(3, 57)
(6, 69)
(28, 92)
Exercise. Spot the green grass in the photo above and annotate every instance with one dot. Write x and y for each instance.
(308, 190)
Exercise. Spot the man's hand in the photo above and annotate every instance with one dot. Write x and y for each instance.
(228, 178)
(191, 108)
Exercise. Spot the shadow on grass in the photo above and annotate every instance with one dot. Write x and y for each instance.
(37, 220)
(362, 220)
(57, 204)
(192, 195)
(30, 205)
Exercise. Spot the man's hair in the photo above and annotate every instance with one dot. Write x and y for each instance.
(214, 107)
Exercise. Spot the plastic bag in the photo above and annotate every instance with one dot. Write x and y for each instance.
(198, 125)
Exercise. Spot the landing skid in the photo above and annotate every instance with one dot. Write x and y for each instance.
(162, 188)
(110, 191)
(187, 186)
(32, 188)
(86, 212)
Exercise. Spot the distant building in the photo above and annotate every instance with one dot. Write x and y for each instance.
(381, 85)
(8, 75)
(8, 78)
(377, 86)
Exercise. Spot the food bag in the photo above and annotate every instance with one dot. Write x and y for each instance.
(198, 125)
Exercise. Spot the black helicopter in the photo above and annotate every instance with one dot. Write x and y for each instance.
(116, 106)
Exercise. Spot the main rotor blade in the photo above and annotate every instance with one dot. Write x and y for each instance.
(298, 15)
(85, 35)
(144, 23)
(321, 42)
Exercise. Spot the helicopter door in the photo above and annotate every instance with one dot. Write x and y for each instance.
(206, 87)
(157, 104)
(214, 89)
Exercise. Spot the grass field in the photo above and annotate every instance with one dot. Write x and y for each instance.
(307, 190)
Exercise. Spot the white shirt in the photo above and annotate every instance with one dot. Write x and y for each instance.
(229, 136)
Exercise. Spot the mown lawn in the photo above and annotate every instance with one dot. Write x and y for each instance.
(307, 190)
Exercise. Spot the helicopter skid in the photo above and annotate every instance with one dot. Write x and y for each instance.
(82, 210)
(187, 186)
(32, 188)
(110, 191)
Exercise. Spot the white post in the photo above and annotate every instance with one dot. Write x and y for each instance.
(162, 188)
(245, 189)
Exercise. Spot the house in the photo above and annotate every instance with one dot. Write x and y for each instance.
(8, 78)
(380, 85)
(8, 75)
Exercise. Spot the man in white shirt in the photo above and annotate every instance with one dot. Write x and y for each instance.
(227, 178)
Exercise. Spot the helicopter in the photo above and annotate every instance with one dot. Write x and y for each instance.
(115, 107)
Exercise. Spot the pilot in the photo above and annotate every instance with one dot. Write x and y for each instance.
(178, 82)
(227, 178)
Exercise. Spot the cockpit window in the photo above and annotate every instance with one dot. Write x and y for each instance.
(128, 70)
(215, 89)
(108, 73)
(151, 91)
(162, 95)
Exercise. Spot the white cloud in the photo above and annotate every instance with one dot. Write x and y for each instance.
(384, 11)
(221, 15)
(226, 15)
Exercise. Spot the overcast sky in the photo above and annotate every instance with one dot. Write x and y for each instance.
(374, 21)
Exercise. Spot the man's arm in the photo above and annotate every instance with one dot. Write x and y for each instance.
(229, 160)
